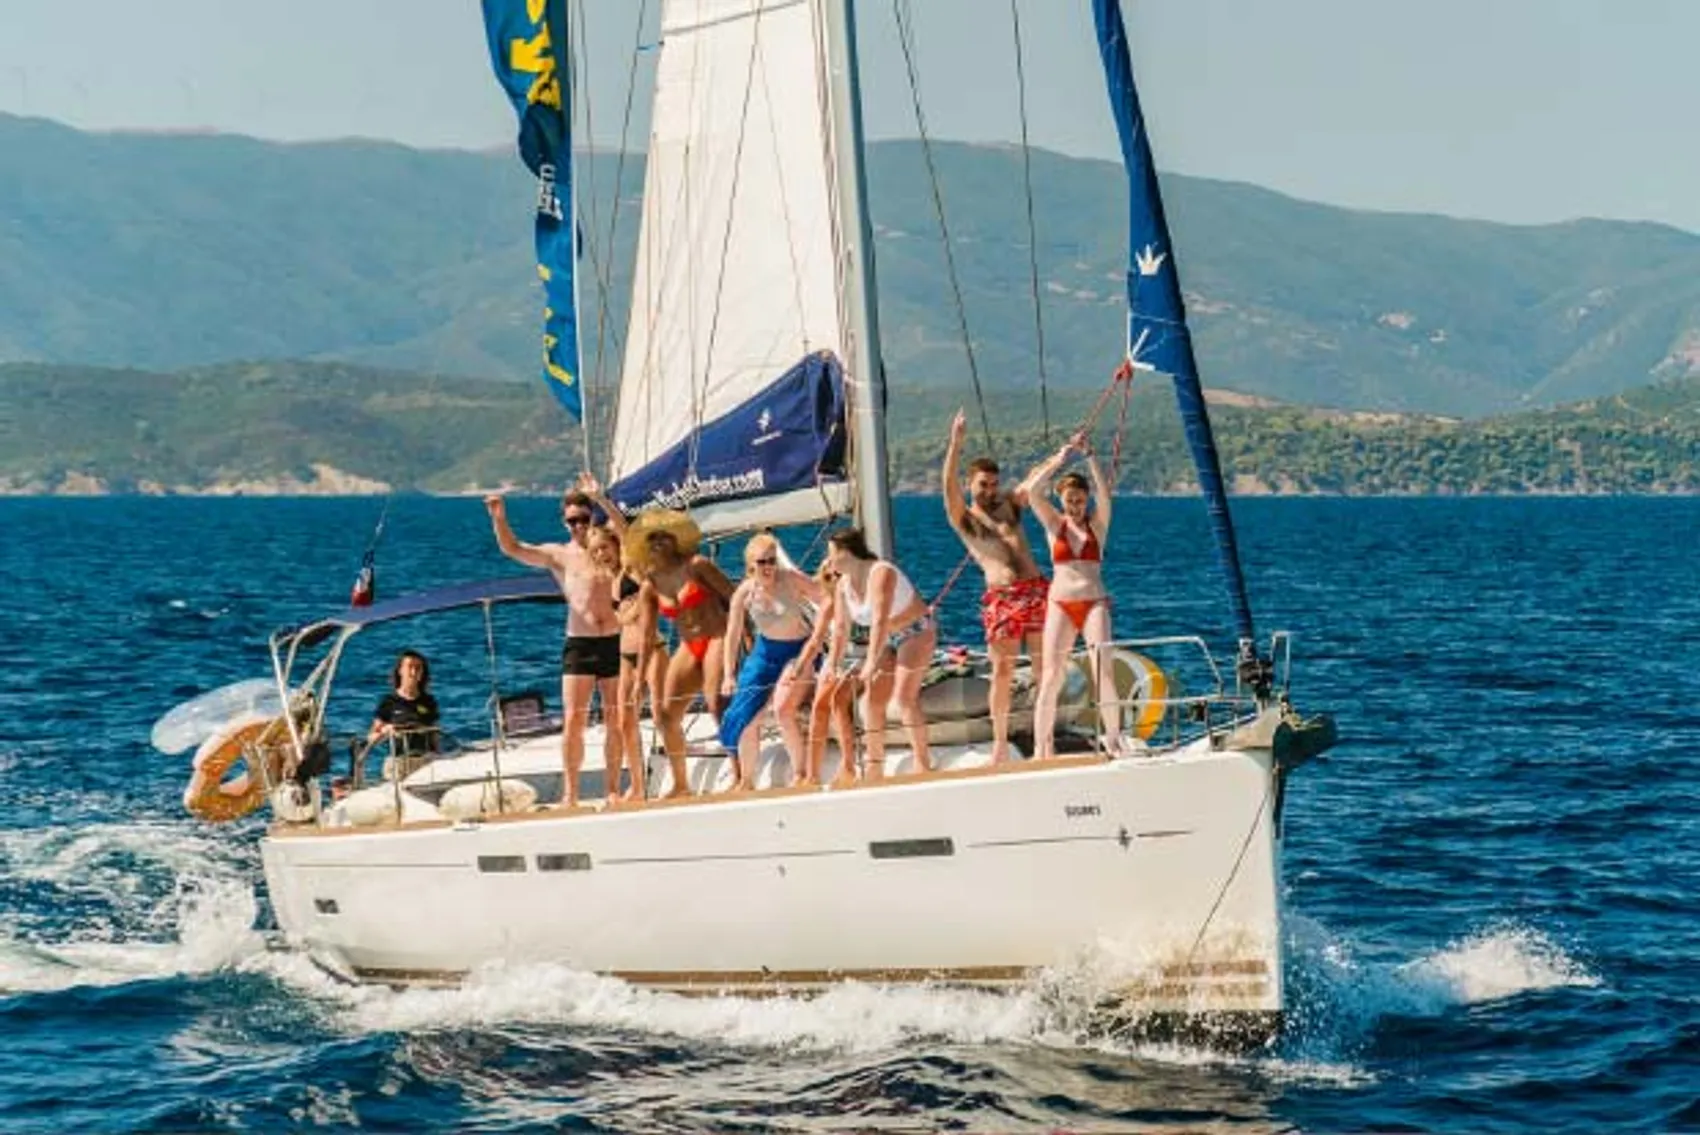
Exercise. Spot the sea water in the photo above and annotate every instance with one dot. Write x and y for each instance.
(1491, 882)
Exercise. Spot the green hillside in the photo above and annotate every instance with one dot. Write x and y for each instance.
(308, 427)
(177, 251)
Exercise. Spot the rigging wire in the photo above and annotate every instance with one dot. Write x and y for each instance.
(578, 85)
(856, 399)
(366, 579)
(785, 209)
(1032, 225)
(906, 37)
(1122, 381)
(1234, 871)
(378, 529)
(608, 336)
(698, 381)
(731, 215)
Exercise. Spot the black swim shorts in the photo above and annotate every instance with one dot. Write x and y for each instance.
(597, 657)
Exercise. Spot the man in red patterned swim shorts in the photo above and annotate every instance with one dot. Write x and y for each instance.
(1013, 608)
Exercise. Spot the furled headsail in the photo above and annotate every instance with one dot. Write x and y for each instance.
(528, 49)
(732, 388)
(1158, 338)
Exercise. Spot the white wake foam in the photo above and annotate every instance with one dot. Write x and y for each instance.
(164, 900)
(852, 1017)
(168, 899)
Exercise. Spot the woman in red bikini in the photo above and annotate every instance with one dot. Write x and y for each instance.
(689, 589)
(1079, 605)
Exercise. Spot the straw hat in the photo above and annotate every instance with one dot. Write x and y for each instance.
(676, 524)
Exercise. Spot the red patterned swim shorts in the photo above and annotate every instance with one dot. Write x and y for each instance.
(1014, 610)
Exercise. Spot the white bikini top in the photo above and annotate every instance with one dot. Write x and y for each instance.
(769, 608)
(861, 611)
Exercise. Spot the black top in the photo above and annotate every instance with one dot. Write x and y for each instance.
(412, 718)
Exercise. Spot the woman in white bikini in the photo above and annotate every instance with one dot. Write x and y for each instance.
(834, 692)
(1079, 604)
(875, 594)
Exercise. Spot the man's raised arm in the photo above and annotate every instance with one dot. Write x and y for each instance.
(513, 547)
(950, 478)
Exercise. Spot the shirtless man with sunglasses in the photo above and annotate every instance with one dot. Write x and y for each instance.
(592, 653)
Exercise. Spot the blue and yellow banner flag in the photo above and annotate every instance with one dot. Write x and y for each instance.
(528, 49)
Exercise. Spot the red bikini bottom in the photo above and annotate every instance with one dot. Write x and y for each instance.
(1078, 609)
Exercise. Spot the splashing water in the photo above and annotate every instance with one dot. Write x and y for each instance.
(1338, 1000)
(157, 900)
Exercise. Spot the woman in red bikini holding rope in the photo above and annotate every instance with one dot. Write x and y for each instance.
(1079, 605)
(688, 588)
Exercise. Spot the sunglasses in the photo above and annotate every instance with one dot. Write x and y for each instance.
(576, 519)
(767, 561)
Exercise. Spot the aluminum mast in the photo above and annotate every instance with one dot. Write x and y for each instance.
(861, 294)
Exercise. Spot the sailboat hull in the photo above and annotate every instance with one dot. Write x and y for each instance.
(1155, 877)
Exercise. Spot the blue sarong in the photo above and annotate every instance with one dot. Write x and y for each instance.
(760, 672)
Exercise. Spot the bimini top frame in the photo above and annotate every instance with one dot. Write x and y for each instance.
(287, 644)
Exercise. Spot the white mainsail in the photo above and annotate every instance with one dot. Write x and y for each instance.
(737, 279)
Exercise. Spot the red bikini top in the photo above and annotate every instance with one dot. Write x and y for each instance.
(1063, 552)
(692, 594)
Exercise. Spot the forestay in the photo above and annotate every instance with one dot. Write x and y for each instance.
(732, 385)
(1158, 337)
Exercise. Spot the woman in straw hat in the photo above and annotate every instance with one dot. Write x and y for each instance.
(689, 589)
(772, 597)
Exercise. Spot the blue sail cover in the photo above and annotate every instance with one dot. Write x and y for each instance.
(529, 53)
(1157, 332)
(790, 436)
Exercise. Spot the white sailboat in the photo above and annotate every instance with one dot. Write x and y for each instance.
(752, 352)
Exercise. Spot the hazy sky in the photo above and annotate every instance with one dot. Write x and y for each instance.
(1520, 110)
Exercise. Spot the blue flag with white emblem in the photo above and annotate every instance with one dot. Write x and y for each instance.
(528, 50)
(1158, 338)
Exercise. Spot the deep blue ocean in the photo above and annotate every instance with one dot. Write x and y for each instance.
(1492, 880)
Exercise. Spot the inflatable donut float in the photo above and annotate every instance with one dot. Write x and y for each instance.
(224, 786)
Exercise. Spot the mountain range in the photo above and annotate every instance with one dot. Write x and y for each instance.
(167, 252)
(293, 428)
